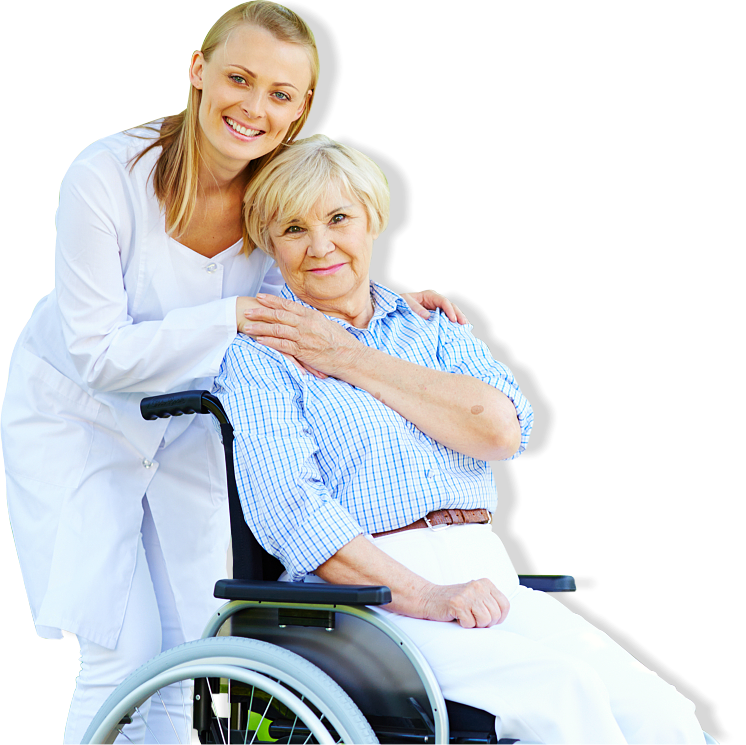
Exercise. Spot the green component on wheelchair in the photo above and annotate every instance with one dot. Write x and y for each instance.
(260, 725)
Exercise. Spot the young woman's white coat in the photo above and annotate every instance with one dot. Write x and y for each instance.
(134, 313)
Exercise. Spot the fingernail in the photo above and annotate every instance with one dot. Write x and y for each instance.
(262, 295)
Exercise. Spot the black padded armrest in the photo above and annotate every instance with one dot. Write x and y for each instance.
(298, 592)
(557, 582)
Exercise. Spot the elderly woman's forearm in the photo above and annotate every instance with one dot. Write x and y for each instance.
(359, 562)
(459, 411)
(477, 603)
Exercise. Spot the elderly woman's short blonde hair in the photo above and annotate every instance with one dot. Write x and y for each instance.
(300, 175)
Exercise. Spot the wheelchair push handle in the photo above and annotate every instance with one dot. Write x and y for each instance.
(183, 402)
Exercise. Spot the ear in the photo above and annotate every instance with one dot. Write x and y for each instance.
(196, 70)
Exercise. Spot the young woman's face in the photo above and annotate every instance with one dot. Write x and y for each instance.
(253, 88)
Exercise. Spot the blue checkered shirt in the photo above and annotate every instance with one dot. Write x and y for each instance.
(319, 461)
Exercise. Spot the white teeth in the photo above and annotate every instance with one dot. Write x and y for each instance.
(242, 130)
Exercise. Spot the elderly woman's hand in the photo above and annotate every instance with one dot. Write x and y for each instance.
(475, 604)
(423, 303)
(245, 304)
(320, 345)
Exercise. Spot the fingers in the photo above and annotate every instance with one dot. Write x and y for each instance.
(280, 303)
(460, 317)
(302, 366)
(291, 315)
(428, 300)
(262, 329)
(475, 604)
(273, 315)
(479, 604)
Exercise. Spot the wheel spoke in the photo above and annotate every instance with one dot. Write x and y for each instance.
(295, 721)
(215, 710)
(123, 733)
(165, 708)
(248, 717)
(256, 731)
(145, 722)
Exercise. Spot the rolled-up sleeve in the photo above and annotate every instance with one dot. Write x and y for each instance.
(459, 351)
(284, 499)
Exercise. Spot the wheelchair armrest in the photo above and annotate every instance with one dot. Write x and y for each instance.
(298, 592)
(556, 582)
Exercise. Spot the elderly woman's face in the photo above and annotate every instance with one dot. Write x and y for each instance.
(253, 88)
(325, 256)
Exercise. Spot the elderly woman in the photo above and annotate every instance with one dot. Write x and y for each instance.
(346, 476)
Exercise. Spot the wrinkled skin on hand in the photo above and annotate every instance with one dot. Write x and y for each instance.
(475, 604)
(319, 345)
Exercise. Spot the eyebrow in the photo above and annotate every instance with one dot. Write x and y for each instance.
(328, 214)
(248, 72)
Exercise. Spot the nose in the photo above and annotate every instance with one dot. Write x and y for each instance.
(253, 104)
(319, 243)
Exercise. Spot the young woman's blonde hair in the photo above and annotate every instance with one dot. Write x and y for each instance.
(175, 173)
(295, 180)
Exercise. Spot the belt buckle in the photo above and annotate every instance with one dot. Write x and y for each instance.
(436, 528)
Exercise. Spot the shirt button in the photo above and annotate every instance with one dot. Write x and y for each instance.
(147, 463)
(211, 268)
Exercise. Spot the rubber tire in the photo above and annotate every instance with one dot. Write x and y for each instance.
(250, 654)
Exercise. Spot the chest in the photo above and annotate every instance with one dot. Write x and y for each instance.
(215, 226)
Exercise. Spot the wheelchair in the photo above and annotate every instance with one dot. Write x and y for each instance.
(284, 662)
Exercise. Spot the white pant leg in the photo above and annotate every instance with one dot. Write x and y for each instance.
(172, 712)
(150, 625)
(648, 709)
(583, 689)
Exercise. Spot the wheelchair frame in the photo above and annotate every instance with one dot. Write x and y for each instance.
(311, 608)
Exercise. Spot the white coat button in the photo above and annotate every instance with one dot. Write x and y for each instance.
(211, 268)
(147, 463)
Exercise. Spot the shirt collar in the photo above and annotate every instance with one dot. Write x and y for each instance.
(386, 303)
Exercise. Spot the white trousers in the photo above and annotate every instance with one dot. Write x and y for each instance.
(151, 625)
(547, 674)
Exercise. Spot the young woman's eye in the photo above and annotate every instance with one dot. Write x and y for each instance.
(237, 79)
(282, 96)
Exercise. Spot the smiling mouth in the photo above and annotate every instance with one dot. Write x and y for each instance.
(245, 131)
(327, 269)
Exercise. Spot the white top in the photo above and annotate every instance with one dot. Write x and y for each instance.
(133, 313)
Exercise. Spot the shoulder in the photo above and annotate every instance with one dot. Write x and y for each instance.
(436, 327)
(113, 156)
(247, 362)
(392, 306)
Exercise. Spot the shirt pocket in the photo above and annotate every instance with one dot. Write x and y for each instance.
(47, 423)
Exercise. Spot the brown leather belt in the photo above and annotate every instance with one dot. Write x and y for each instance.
(443, 517)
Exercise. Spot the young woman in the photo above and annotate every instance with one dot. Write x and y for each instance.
(121, 524)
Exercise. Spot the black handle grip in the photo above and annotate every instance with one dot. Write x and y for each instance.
(172, 404)
(183, 402)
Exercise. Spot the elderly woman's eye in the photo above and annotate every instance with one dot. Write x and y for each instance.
(338, 218)
(293, 229)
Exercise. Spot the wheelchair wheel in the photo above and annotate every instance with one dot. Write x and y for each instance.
(232, 690)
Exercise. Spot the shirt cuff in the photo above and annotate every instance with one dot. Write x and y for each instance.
(325, 531)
